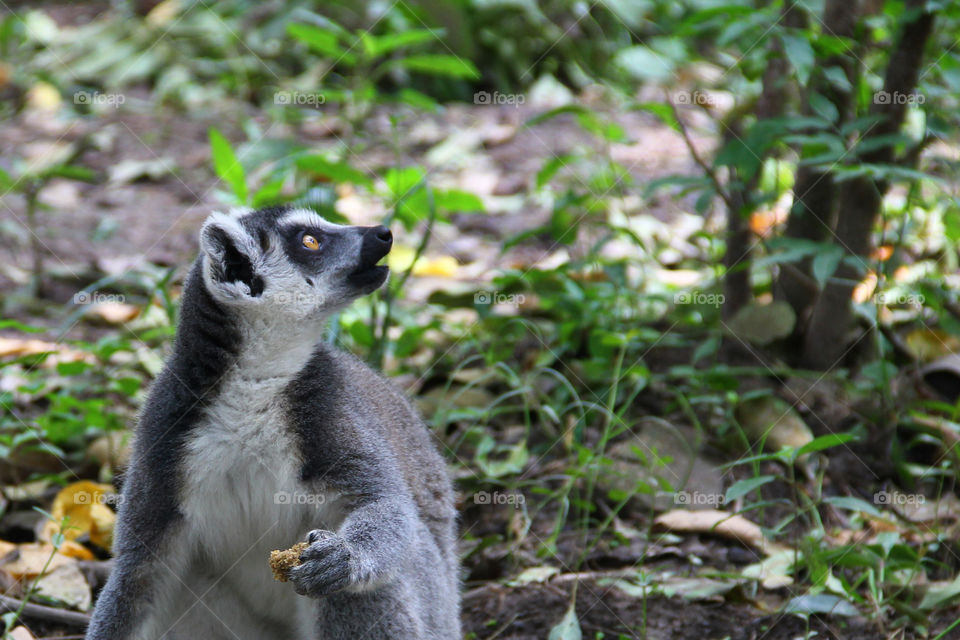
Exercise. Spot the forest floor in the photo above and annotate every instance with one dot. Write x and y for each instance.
(142, 213)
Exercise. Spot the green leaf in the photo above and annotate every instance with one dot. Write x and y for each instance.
(269, 193)
(19, 326)
(457, 200)
(6, 180)
(643, 63)
(853, 504)
(747, 154)
(73, 368)
(69, 171)
(553, 113)
(825, 263)
(361, 333)
(824, 108)
(825, 442)
(743, 487)
(568, 628)
(800, 54)
(662, 111)
(402, 181)
(336, 171)
(323, 41)
(550, 168)
(417, 100)
(377, 46)
(441, 65)
(513, 463)
(838, 78)
(227, 166)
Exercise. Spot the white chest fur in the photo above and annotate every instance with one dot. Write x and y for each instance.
(242, 471)
(242, 496)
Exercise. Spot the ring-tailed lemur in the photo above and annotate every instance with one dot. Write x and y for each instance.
(257, 434)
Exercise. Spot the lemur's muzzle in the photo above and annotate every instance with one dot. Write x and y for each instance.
(376, 243)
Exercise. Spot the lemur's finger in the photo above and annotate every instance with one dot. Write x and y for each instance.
(320, 534)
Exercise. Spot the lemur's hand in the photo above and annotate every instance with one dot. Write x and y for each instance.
(325, 566)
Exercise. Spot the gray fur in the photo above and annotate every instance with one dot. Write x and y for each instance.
(257, 435)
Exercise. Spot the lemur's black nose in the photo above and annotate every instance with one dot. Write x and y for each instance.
(383, 234)
(377, 242)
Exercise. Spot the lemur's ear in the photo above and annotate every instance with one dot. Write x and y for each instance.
(230, 251)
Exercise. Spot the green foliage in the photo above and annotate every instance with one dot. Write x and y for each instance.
(560, 361)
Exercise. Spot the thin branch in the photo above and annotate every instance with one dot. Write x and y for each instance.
(41, 612)
(707, 169)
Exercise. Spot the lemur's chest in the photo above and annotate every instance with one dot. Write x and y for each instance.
(241, 475)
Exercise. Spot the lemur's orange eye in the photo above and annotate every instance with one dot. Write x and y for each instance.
(310, 242)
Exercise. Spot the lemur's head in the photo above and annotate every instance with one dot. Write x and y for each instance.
(290, 261)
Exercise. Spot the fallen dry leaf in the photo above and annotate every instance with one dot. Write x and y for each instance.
(114, 313)
(66, 584)
(19, 347)
(21, 633)
(773, 421)
(717, 522)
(27, 560)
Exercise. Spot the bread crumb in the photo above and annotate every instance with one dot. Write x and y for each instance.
(282, 561)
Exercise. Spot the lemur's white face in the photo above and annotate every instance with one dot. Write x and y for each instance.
(290, 262)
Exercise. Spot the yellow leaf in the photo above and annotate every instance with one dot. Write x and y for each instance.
(930, 344)
(441, 266)
(163, 13)
(84, 503)
(882, 253)
(863, 291)
(43, 96)
(400, 258)
(76, 550)
(763, 222)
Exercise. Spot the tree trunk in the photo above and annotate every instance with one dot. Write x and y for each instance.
(737, 290)
(813, 214)
(860, 199)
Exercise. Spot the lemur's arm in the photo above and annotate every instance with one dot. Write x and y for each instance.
(375, 537)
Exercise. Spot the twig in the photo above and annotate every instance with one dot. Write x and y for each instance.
(707, 169)
(96, 571)
(503, 627)
(41, 612)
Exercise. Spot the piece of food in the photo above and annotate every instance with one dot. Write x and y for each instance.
(282, 561)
